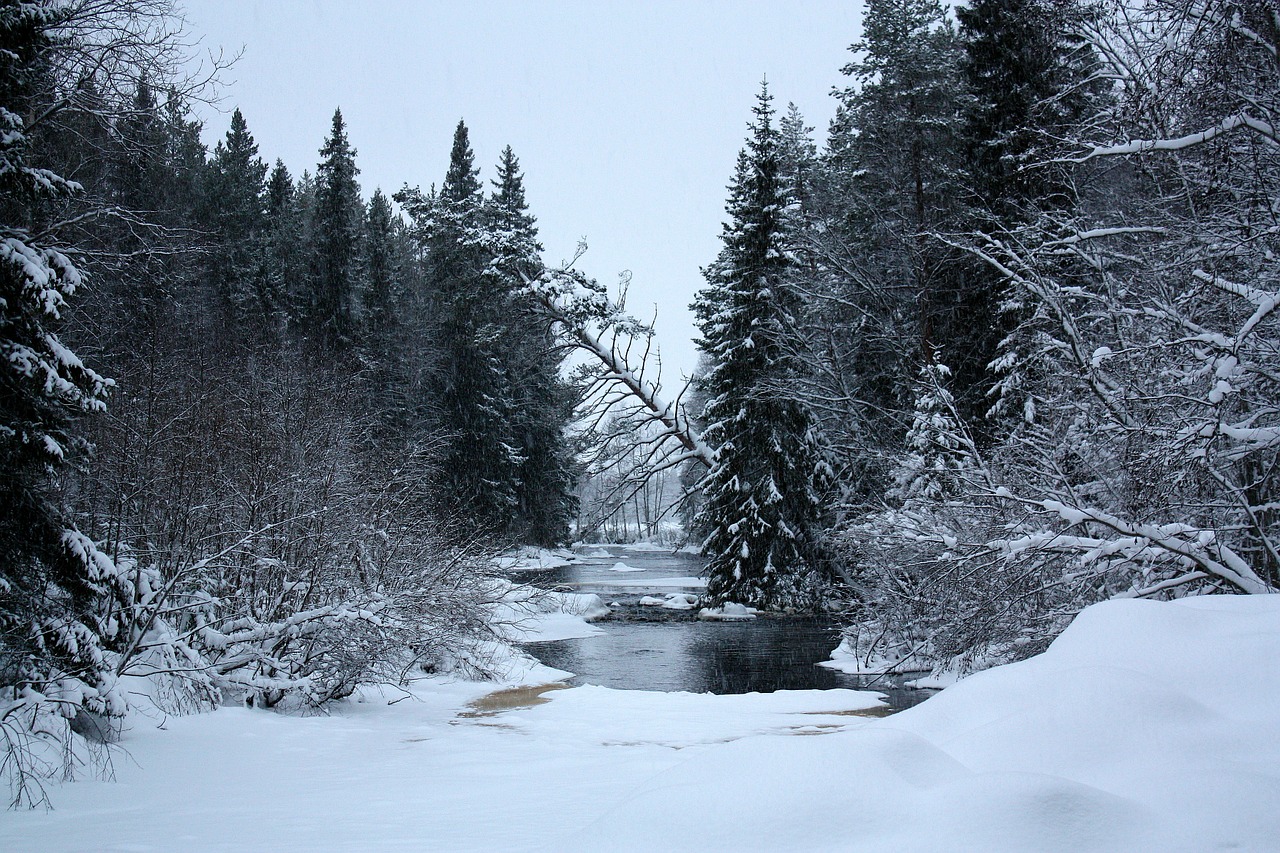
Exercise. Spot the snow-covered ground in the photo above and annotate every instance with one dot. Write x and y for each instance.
(1146, 727)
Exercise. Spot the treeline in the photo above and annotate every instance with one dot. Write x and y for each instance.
(313, 418)
(1004, 345)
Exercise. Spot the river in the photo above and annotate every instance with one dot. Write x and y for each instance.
(652, 648)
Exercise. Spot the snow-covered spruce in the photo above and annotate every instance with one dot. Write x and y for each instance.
(761, 501)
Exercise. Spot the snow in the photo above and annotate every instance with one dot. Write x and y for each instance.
(648, 547)
(525, 614)
(1147, 726)
(532, 559)
(672, 601)
(730, 611)
(623, 567)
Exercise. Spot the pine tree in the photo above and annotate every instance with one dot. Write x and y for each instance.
(387, 342)
(1028, 71)
(895, 148)
(938, 451)
(1029, 78)
(337, 224)
(888, 180)
(381, 265)
(141, 153)
(797, 164)
(761, 497)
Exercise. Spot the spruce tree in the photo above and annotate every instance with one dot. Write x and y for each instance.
(1029, 78)
(761, 497)
(239, 274)
(380, 265)
(283, 246)
(543, 400)
(337, 230)
(482, 459)
(1028, 72)
(52, 578)
(895, 148)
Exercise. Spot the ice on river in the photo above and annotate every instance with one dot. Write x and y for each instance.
(1147, 726)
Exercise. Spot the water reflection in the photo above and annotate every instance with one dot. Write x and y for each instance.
(647, 649)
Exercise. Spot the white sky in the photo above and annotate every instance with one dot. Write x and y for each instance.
(626, 116)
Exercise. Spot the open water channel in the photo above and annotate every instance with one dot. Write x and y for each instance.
(651, 648)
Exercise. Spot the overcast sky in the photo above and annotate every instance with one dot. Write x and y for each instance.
(626, 116)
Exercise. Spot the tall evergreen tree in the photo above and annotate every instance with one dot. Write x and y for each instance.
(482, 460)
(283, 245)
(543, 401)
(239, 273)
(337, 223)
(1030, 75)
(761, 497)
(381, 265)
(889, 177)
(52, 577)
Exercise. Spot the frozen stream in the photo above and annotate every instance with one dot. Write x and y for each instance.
(651, 648)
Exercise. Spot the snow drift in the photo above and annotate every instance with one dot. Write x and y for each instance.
(1146, 726)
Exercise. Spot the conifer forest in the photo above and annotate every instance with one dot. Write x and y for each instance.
(988, 395)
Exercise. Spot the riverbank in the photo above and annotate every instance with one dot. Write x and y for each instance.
(1146, 727)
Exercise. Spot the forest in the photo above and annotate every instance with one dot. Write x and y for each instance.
(999, 345)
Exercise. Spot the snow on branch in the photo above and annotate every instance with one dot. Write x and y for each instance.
(599, 327)
(1142, 146)
(1194, 546)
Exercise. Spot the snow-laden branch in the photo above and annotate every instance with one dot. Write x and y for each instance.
(1196, 546)
(1190, 140)
(577, 304)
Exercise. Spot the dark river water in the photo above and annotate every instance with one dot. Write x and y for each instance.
(651, 648)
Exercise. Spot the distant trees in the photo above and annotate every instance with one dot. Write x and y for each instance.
(236, 185)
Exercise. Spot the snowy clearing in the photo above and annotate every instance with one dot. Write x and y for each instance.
(1146, 727)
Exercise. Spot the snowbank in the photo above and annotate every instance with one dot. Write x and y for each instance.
(644, 547)
(623, 567)
(1146, 728)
